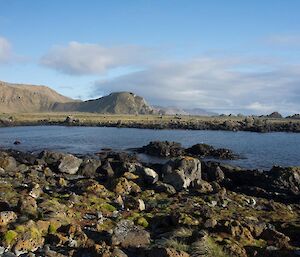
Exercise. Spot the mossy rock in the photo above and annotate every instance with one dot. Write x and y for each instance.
(142, 222)
(9, 237)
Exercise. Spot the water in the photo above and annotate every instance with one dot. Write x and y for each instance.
(258, 150)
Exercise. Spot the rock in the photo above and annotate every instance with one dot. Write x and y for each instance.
(275, 238)
(204, 150)
(118, 253)
(7, 162)
(149, 175)
(126, 234)
(181, 172)
(223, 153)
(106, 170)
(69, 164)
(200, 150)
(28, 240)
(36, 191)
(285, 180)
(7, 217)
(166, 252)
(27, 205)
(203, 187)
(163, 149)
(161, 187)
(142, 206)
(89, 167)
(133, 203)
(123, 186)
(210, 223)
(71, 120)
(17, 142)
(211, 171)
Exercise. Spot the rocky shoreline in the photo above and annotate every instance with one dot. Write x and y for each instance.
(112, 204)
(251, 124)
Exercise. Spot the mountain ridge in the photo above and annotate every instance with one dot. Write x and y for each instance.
(26, 98)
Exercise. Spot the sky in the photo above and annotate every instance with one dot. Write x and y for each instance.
(225, 56)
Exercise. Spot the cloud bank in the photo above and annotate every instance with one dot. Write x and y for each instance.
(226, 84)
(87, 59)
(219, 84)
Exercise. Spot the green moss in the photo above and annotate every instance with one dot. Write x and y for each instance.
(10, 236)
(108, 207)
(20, 229)
(52, 229)
(142, 222)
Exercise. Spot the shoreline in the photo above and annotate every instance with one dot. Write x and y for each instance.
(260, 125)
(112, 204)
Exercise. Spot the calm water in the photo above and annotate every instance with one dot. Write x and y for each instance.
(259, 150)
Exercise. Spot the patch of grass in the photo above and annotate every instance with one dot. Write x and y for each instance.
(176, 244)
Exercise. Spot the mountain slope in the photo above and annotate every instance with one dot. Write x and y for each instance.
(15, 98)
(114, 103)
(173, 110)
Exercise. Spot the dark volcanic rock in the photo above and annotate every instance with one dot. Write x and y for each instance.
(286, 180)
(163, 149)
(204, 150)
(200, 150)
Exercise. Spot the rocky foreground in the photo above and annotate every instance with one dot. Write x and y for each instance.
(112, 204)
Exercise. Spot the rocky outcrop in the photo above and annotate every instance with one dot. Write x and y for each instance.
(181, 172)
(163, 149)
(204, 150)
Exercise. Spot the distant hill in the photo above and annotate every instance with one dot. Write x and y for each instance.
(19, 98)
(173, 110)
(28, 98)
(114, 103)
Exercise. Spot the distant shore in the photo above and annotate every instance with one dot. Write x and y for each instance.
(226, 123)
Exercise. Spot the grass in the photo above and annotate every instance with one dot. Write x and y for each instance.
(94, 118)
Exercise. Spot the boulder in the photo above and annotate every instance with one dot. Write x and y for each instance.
(126, 234)
(286, 180)
(200, 149)
(65, 163)
(27, 205)
(161, 187)
(89, 167)
(211, 171)
(275, 238)
(69, 164)
(28, 240)
(7, 162)
(150, 176)
(163, 149)
(7, 217)
(181, 172)
(204, 150)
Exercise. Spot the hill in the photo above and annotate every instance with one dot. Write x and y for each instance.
(173, 110)
(114, 103)
(16, 98)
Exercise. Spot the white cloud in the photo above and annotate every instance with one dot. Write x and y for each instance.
(220, 84)
(85, 59)
(5, 51)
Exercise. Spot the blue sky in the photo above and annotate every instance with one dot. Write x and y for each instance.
(227, 56)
